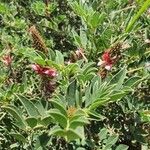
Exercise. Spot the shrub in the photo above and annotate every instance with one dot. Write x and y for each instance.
(74, 75)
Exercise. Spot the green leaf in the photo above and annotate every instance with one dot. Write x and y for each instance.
(93, 91)
(14, 145)
(40, 107)
(78, 8)
(39, 61)
(41, 141)
(59, 117)
(29, 106)
(122, 147)
(71, 93)
(91, 70)
(17, 116)
(99, 102)
(80, 131)
(19, 137)
(118, 79)
(3, 8)
(59, 58)
(80, 148)
(39, 7)
(96, 19)
(145, 115)
(83, 39)
(103, 134)
(47, 120)
(144, 7)
(131, 82)
(69, 134)
(86, 67)
(78, 122)
(96, 116)
(117, 96)
(59, 106)
(76, 38)
(32, 122)
(72, 68)
(88, 99)
(111, 141)
(76, 116)
(56, 130)
(73, 134)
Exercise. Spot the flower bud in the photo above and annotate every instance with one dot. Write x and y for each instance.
(7, 60)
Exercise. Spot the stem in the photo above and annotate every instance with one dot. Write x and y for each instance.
(135, 70)
(126, 8)
(30, 141)
(67, 127)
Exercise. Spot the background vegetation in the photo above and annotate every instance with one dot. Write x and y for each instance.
(75, 74)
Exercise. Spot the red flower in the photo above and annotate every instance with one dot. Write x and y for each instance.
(106, 61)
(37, 68)
(50, 72)
(7, 60)
(106, 57)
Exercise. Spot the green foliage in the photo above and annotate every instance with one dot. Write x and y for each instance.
(137, 15)
(145, 116)
(53, 94)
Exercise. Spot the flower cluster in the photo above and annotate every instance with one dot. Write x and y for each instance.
(50, 72)
(71, 111)
(109, 58)
(7, 60)
(106, 61)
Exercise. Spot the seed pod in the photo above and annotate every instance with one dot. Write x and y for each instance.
(115, 52)
(102, 73)
(38, 42)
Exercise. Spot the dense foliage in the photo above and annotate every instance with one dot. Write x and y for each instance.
(75, 74)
